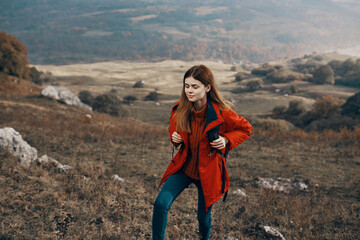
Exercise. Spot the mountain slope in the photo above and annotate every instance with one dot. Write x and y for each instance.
(71, 31)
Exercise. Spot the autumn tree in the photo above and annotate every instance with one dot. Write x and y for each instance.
(13, 56)
(327, 106)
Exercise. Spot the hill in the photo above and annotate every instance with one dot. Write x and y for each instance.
(87, 203)
(257, 31)
(165, 78)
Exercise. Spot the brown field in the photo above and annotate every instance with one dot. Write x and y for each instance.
(85, 203)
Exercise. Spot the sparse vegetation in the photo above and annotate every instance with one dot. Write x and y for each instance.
(346, 73)
(47, 77)
(273, 124)
(279, 110)
(323, 75)
(254, 84)
(13, 56)
(352, 106)
(295, 108)
(86, 97)
(108, 103)
(35, 76)
(87, 204)
(241, 76)
(129, 99)
(139, 84)
(308, 67)
(152, 96)
(264, 70)
(283, 76)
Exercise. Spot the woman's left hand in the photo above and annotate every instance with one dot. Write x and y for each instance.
(219, 143)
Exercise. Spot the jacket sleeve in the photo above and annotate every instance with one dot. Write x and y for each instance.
(237, 130)
(172, 127)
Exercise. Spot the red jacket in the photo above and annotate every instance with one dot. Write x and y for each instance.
(214, 176)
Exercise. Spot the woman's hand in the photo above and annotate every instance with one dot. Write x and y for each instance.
(219, 143)
(176, 138)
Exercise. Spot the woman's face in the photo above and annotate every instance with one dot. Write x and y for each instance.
(196, 90)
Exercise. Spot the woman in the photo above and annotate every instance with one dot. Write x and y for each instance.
(204, 127)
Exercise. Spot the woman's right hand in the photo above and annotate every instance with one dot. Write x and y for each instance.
(176, 138)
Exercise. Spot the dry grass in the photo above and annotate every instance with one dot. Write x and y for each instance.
(86, 203)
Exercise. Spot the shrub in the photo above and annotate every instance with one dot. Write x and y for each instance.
(324, 108)
(35, 76)
(153, 96)
(241, 76)
(86, 97)
(352, 106)
(282, 76)
(324, 75)
(334, 123)
(254, 84)
(327, 106)
(308, 67)
(139, 84)
(264, 70)
(234, 68)
(113, 91)
(129, 99)
(296, 108)
(108, 103)
(47, 77)
(273, 124)
(293, 88)
(349, 75)
(279, 110)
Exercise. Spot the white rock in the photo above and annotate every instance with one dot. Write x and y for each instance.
(117, 178)
(283, 184)
(239, 192)
(46, 159)
(273, 232)
(12, 141)
(62, 168)
(64, 95)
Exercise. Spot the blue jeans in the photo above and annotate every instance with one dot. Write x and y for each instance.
(172, 188)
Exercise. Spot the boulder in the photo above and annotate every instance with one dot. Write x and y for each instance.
(282, 184)
(60, 168)
(12, 141)
(64, 95)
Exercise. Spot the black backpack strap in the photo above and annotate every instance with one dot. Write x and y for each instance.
(213, 134)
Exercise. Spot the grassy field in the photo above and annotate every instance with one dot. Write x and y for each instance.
(86, 203)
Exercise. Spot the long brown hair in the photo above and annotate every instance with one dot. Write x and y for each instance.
(184, 110)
